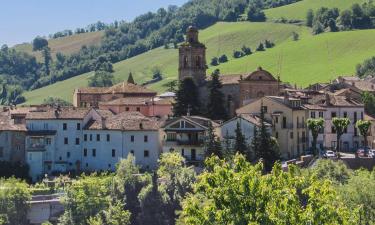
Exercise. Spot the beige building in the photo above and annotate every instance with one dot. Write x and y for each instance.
(287, 116)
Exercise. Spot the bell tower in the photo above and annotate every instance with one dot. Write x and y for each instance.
(192, 58)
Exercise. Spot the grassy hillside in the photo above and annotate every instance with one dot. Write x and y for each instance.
(65, 45)
(311, 59)
(298, 10)
(220, 38)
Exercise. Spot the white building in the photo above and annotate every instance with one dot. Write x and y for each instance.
(186, 135)
(248, 123)
(70, 139)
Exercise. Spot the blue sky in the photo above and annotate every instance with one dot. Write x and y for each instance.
(22, 20)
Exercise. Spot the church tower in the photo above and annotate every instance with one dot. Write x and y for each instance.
(192, 58)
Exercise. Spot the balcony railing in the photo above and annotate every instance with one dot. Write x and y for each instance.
(190, 142)
(36, 147)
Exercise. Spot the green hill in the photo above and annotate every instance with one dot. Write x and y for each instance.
(298, 10)
(65, 45)
(311, 59)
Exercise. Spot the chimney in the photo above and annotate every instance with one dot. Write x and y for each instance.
(327, 99)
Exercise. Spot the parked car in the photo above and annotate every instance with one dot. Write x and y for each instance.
(371, 153)
(361, 153)
(329, 154)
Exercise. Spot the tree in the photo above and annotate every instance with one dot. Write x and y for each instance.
(367, 68)
(214, 61)
(223, 59)
(156, 73)
(340, 124)
(54, 101)
(101, 79)
(260, 47)
(39, 43)
(310, 18)
(46, 51)
(130, 79)
(318, 28)
(216, 101)
(212, 143)
(240, 145)
(267, 148)
(363, 127)
(332, 25)
(368, 100)
(171, 85)
(269, 44)
(236, 192)
(346, 19)
(186, 98)
(102, 63)
(114, 215)
(237, 54)
(14, 195)
(315, 126)
(295, 36)
(255, 14)
(246, 50)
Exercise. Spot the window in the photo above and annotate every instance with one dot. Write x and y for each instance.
(66, 141)
(108, 138)
(109, 165)
(48, 141)
(85, 137)
(361, 115)
(78, 126)
(277, 134)
(138, 109)
(46, 126)
(87, 165)
(65, 126)
(132, 138)
(145, 138)
(333, 130)
(90, 137)
(146, 153)
(291, 135)
(321, 114)
(345, 114)
(264, 109)
(355, 117)
(355, 132)
(277, 119)
(132, 152)
(182, 152)
(284, 122)
(85, 152)
(113, 153)
(127, 109)
(94, 152)
(1, 152)
(98, 137)
(77, 141)
(333, 114)
(346, 130)
(68, 155)
(312, 115)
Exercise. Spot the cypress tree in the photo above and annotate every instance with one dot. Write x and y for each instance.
(240, 142)
(216, 108)
(186, 98)
(130, 78)
(213, 145)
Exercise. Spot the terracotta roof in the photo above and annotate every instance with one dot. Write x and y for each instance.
(126, 121)
(338, 100)
(139, 101)
(121, 88)
(201, 121)
(7, 124)
(364, 85)
(252, 119)
(313, 107)
(260, 72)
(54, 113)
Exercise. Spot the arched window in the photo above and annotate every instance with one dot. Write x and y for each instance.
(198, 61)
(185, 61)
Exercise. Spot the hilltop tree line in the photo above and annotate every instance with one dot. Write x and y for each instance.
(122, 40)
(357, 17)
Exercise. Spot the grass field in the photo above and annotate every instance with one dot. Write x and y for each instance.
(220, 38)
(298, 10)
(65, 45)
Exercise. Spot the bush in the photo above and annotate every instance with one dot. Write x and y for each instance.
(269, 44)
(214, 61)
(318, 28)
(237, 54)
(246, 50)
(295, 36)
(260, 47)
(223, 59)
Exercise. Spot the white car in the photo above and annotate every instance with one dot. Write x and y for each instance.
(329, 154)
(371, 153)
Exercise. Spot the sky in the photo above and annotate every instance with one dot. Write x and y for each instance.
(22, 20)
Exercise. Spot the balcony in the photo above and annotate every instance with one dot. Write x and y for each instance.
(301, 125)
(36, 147)
(183, 142)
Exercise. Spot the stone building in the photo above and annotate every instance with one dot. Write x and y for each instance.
(238, 89)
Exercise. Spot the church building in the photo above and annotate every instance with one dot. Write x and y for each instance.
(239, 89)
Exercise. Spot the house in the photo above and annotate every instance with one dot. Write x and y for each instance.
(92, 96)
(186, 135)
(248, 123)
(80, 139)
(288, 118)
(154, 106)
